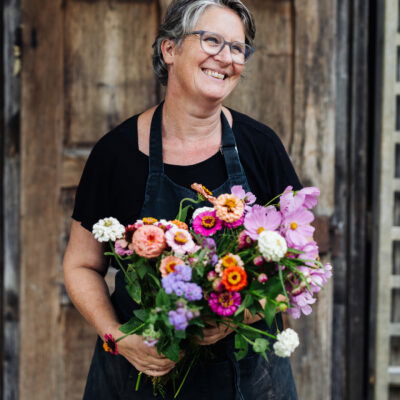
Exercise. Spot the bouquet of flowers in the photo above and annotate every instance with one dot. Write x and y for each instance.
(235, 256)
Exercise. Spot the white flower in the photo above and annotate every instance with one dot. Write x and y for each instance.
(108, 229)
(286, 342)
(197, 211)
(272, 245)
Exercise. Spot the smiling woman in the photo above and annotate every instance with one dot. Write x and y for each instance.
(143, 168)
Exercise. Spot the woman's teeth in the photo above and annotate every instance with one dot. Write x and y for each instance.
(214, 74)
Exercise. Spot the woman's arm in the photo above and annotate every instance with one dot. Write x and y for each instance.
(84, 269)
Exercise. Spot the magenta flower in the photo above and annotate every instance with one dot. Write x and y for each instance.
(296, 227)
(225, 303)
(244, 240)
(206, 223)
(260, 219)
(234, 224)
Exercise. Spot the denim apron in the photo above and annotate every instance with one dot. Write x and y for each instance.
(222, 378)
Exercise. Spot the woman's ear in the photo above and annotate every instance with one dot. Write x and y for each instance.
(168, 48)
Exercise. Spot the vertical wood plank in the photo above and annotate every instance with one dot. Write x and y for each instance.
(312, 149)
(108, 56)
(266, 91)
(10, 187)
(41, 141)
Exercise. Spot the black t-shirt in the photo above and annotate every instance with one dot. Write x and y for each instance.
(114, 178)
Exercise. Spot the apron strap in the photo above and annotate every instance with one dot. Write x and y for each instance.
(228, 148)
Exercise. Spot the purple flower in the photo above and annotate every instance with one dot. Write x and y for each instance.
(248, 197)
(168, 282)
(183, 272)
(214, 260)
(178, 319)
(260, 219)
(225, 303)
(301, 304)
(209, 243)
(289, 202)
(310, 196)
(179, 287)
(193, 292)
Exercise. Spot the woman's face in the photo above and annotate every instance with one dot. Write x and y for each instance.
(190, 68)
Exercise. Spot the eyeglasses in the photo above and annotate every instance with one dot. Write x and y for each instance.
(213, 43)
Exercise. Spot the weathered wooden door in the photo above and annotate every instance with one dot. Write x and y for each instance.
(86, 66)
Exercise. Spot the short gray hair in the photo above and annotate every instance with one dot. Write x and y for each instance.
(181, 18)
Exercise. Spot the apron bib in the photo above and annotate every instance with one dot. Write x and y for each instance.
(253, 378)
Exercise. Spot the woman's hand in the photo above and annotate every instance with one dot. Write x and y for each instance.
(214, 333)
(143, 357)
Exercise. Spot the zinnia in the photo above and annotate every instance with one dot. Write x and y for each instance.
(180, 241)
(286, 343)
(148, 241)
(168, 264)
(272, 245)
(234, 278)
(225, 303)
(229, 208)
(108, 229)
(206, 223)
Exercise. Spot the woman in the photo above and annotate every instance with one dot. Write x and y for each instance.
(145, 166)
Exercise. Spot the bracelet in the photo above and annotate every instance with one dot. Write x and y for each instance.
(110, 344)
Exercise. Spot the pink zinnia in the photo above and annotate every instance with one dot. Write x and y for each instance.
(180, 241)
(260, 219)
(232, 225)
(296, 227)
(168, 265)
(148, 241)
(225, 303)
(207, 223)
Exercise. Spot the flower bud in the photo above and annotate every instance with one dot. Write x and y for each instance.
(211, 275)
(262, 278)
(258, 261)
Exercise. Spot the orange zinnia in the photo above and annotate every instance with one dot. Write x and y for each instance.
(234, 278)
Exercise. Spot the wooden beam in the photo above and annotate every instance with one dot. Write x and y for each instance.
(41, 143)
(10, 193)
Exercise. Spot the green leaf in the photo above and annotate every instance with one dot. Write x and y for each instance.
(180, 334)
(260, 345)
(248, 301)
(135, 291)
(172, 352)
(154, 279)
(129, 326)
(162, 299)
(241, 345)
(142, 267)
(269, 312)
(141, 314)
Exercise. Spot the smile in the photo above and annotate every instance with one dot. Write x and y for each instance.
(214, 74)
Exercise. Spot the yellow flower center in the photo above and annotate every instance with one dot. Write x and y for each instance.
(170, 267)
(234, 278)
(107, 223)
(228, 261)
(208, 221)
(293, 225)
(230, 204)
(206, 190)
(260, 229)
(149, 220)
(180, 238)
(225, 300)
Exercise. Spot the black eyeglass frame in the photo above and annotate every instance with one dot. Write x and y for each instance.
(251, 49)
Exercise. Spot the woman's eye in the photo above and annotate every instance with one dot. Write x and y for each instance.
(237, 49)
(212, 40)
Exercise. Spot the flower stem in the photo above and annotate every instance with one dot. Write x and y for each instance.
(131, 332)
(138, 381)
(184, 378)
(181, 204)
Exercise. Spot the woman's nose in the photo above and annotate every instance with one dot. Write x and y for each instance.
(224, 55)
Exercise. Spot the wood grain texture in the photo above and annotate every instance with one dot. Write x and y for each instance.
(266, 91)
(312, 148)
(41, 140)
(109, 74)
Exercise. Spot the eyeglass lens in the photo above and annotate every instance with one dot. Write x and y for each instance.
(212, 43)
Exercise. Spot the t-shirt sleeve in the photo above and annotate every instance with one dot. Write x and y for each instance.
(93, 192)
(284, 173)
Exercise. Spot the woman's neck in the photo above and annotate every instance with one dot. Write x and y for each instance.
(190, 121)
